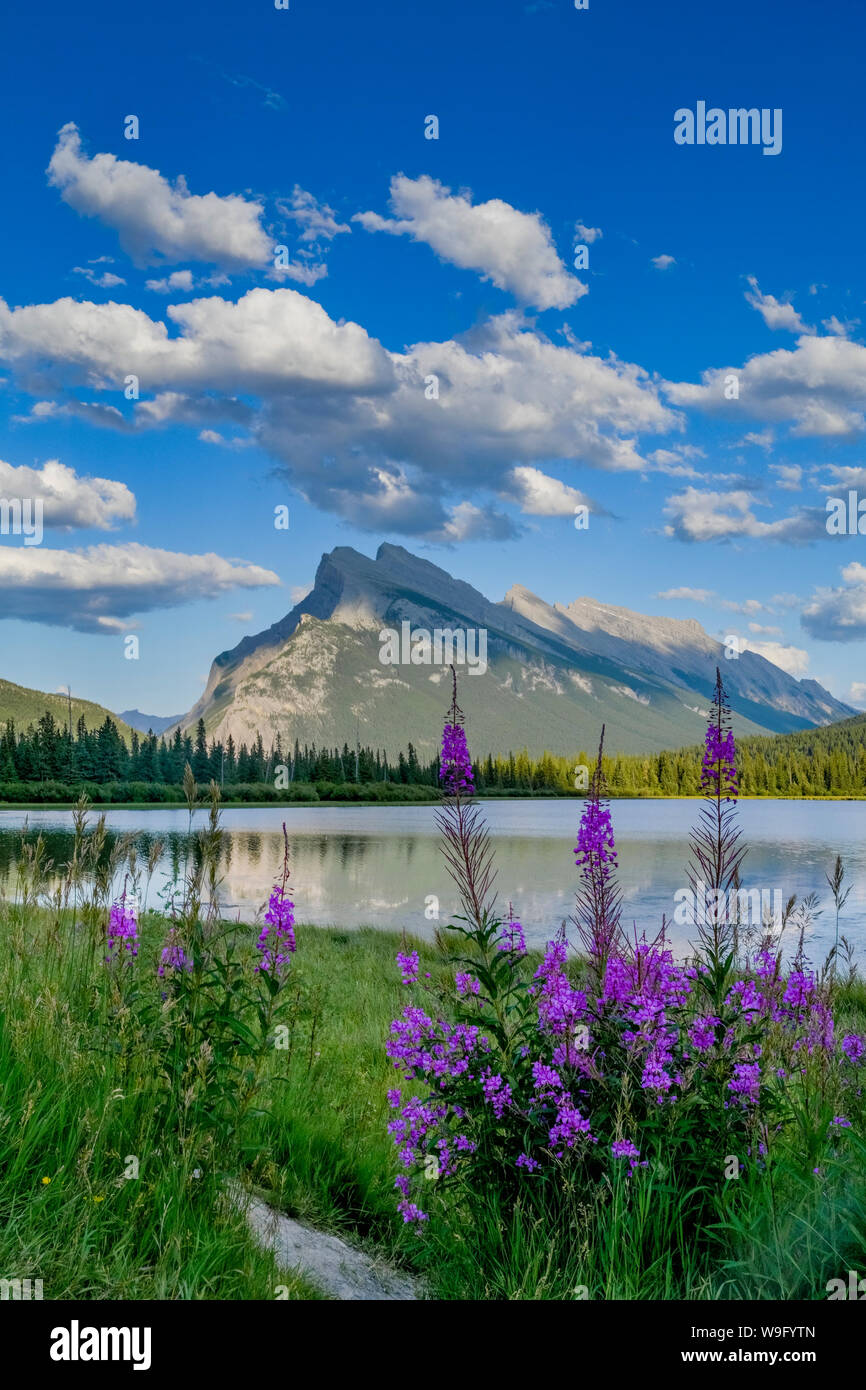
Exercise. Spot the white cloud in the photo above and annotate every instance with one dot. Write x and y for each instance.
(318, 221)
(177, 280)
(94, 589)
(761, 439)
(857, 695)
(749, 605)
(776, 313)
(841, 328)
(268, 339)
(513, 249)
(540, 495)
(587, 234)
(766, 630)
(789, 476)
(663, 262)
(106, 281)
(839, 615)
(695, 595)
(712, 516)
(155, 220)
(68, 500)
(245, 617)
(791, 659)
(819, 387)
(508, 397)
(674, 461)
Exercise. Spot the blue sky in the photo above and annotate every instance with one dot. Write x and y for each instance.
(305, 384)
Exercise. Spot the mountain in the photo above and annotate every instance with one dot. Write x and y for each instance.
(144, 723)
(555, 672)
(28, 706)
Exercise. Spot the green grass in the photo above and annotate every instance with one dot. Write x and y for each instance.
(76, 1105)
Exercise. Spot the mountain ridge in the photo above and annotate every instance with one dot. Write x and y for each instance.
(555, 672)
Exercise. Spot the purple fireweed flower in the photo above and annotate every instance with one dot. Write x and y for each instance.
(455, 771)
(122, 932)
(702, 1033)
(524, 1161)
(409, 966)
(466, 984)
(719, 768)
(570, 1124)
(840, 1120)
(595, 842)
(277, 940)
(560, 1008)
(512, 938)
(746, 1082)
(853, 1047)
(410, 1212)
(173, 957)
(546, 1081)
(624, 1148)
(497, 1093)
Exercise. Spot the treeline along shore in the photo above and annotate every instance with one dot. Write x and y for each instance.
(47, 764)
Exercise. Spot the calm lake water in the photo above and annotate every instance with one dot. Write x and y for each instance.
(372, 865)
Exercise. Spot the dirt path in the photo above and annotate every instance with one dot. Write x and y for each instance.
(326, 1261)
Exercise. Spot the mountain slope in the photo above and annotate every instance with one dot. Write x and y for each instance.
(28, 706)
(554, 673)
(144, 723)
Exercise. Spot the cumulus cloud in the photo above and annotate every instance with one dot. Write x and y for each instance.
(760, 439)
(857, 695)
(96, 588)
(178, 280)
(512, 249)
(789, 477)
(68, 500)
(791, 659)
(674, 461)
(328, 393)
(695, 595)
(317, 221)
(154, 219)
(106, 281)
(266, 340)
(776, 313)
(818, 387)
(715, 516)
(749, 605)
(587, 234)
(839, 615)
(663, 262)
(540, 495)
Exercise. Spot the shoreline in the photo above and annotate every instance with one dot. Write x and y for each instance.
(396, 802)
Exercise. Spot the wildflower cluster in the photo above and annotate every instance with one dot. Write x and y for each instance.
(122, 931)
(582, 1070)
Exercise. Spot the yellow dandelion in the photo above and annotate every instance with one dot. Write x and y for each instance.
(46, 1180)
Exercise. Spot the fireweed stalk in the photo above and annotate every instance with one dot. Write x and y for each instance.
(599, 901)
(542, 1085)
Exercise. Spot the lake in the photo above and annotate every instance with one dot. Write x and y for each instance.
(378, 865)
